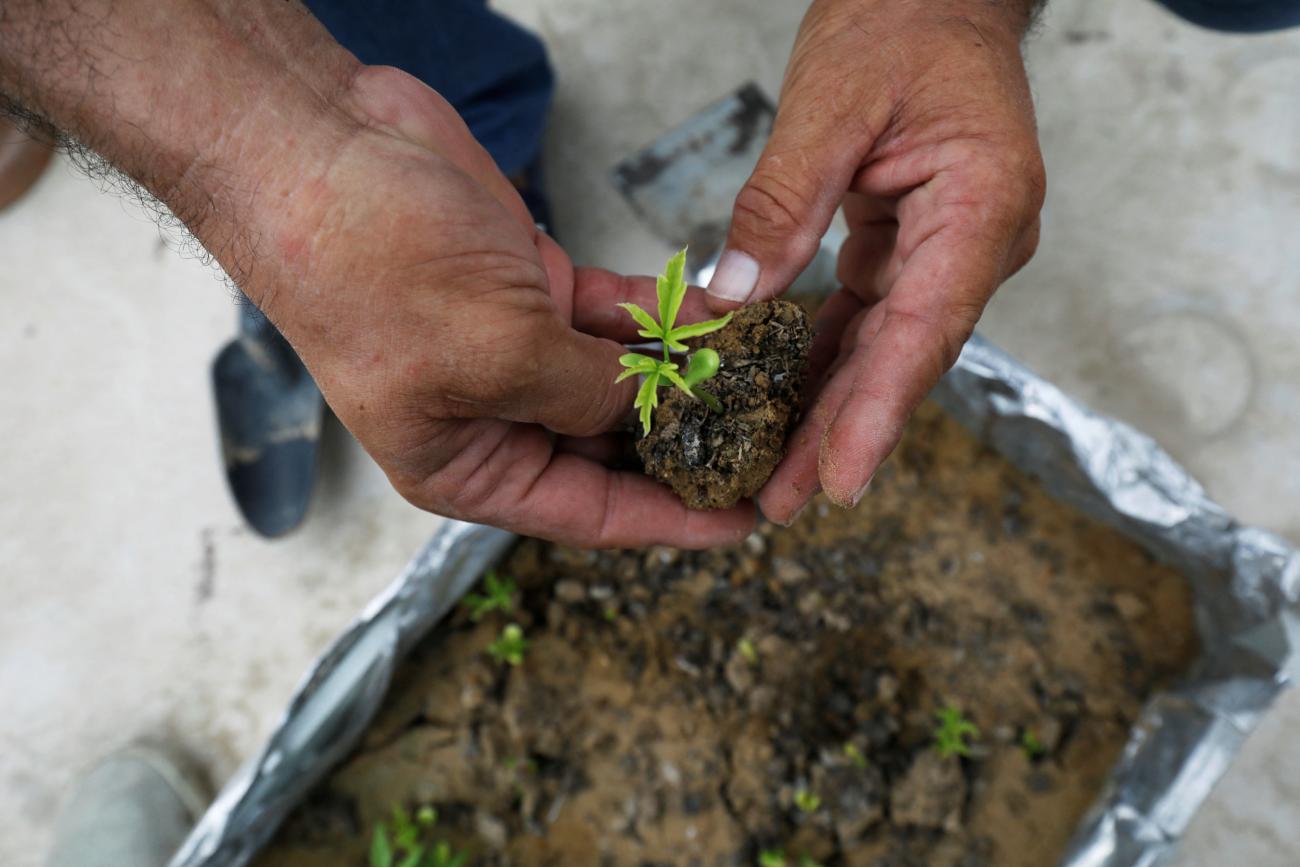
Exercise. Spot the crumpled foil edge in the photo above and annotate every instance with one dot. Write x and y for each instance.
(1246, 585)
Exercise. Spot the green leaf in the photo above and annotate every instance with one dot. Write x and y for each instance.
(637, 364)
(671, 288)
(685, 332)
(381, 851)
(413, 858)
(635, 359)
(675, 378)
(647, 399)
(644, 319)
(703, 365)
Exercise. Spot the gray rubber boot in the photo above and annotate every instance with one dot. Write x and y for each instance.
(133, 810)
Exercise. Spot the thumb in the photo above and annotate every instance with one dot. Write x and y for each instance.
(784, 209)
(573, 390)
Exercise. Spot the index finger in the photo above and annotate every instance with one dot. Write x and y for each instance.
(902, 349)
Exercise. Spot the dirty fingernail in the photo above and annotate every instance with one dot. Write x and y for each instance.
(794, 516)
(735, 277)
(862, 492)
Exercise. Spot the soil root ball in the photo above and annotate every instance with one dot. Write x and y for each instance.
(714, 460)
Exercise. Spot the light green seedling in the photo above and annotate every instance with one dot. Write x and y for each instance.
(510, 646)
(498, 595)
(404, 842)
(807, 801)
(950, 736)
(700, 366)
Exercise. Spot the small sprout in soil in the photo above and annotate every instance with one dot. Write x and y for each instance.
(747, 651)
(610, 614)
(498, 595)
(407, 842)
(854, 755)
(1031, 746)
(776, 858)
(807, 801)
(526, 766)
(510, 646)
(700, 366)
(953, 730)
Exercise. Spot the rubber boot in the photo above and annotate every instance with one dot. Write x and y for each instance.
(133, 810)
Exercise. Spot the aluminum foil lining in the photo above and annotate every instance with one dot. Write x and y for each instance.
(1245, 583)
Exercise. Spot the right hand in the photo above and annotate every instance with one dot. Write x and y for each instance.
(455, 339)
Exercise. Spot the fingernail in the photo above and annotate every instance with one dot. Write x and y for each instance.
(794, 517)
(735, 277)
(862, 492)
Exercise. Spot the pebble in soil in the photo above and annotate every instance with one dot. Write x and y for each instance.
(697, 708)
(714, 460)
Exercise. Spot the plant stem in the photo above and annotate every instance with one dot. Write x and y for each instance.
(709, 400)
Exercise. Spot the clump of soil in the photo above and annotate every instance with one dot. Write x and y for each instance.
(714, 460)
(699, 708)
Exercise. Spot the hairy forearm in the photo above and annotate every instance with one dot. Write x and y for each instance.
(202, 102)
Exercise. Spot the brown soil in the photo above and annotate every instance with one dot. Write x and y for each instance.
(672, 704)
(714, 460)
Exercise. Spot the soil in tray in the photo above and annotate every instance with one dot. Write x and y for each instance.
(704, 708)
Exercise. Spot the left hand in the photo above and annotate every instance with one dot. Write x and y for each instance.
(917, 118)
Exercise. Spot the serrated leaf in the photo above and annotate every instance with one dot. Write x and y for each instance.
(698, 329)
(644, 319)
(647, 399)
(381, 852)
(628, 374)
(676, 379)
(635, 359)
(671, 288)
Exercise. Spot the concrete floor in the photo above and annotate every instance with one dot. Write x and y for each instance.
(1165, 292)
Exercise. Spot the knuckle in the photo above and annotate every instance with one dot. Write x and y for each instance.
(772, 207)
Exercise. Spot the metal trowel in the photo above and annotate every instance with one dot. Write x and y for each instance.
(269, 411)
(684, 183)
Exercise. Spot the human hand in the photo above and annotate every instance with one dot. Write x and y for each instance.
(916, 117)
(452, 337)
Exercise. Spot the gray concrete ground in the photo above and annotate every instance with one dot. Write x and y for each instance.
(1165, 292)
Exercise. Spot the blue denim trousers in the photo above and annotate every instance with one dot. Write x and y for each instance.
(490, 69)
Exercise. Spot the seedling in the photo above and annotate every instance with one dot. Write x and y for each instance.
(807, 801)
(953, 730)
(748, 651)
(1031, 745)
(498, 595)
(854, 755)
(776, 858)
(407, 843)
(510, 646)
(701, 365)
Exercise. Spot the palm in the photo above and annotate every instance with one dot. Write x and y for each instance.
(456, 340)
